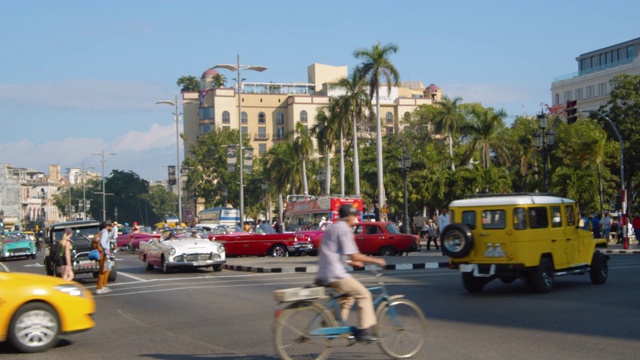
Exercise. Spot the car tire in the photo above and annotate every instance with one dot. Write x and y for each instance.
(278, 251)
(165, 267)
(217, 267)
(33, 256)
(388, 251)
(599, 268)
(474, 284)
(147, 265)
(456, 241)
(35, 327)
(542, 276)
(113, 274)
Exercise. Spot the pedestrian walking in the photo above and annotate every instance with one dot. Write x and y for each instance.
(104, 249)
(443, 221)
(64, 263)
(595, 226)
(605, 225)
(432, 235)
(278, 226)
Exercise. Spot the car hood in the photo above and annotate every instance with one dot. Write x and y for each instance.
(192, 245)
(33, 279)
(18, 244)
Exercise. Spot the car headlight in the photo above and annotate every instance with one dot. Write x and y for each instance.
(221, 249)
(172, 251)
(69, 290)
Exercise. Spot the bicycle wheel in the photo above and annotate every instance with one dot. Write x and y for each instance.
(292, 339)
(402, 328)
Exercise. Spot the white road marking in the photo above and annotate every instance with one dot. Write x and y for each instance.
(132, 276)
(34, 265)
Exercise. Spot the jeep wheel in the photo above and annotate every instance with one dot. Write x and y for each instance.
(113, 274)
(542, 276)
(456, 240)
(599, 268)
(474, 284)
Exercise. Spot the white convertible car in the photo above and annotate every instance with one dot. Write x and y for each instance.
(182, 252)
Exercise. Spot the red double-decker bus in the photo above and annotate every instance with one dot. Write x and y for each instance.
(306, 212)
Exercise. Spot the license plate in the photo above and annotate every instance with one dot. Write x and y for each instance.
(199, 263)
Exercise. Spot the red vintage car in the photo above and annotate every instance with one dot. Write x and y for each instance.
(264, 242)
(373, 238)
(132, 241)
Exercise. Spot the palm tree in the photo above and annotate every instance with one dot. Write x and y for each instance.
(448, 119)
(354, 102)
(325, 135)
(487, 136)
(188, 83)
(303, 148)
(377, 66)
(218, 81)
(338, 121)
(281, 172)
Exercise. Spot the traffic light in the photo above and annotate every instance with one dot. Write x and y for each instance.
(572, 112)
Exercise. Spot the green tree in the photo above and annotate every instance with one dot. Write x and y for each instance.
(624, 110)
(448, 120)
(161, 201)
(218, 81)
(325, 136)
(487, 136)
(188, 83)
(377, 66)
(303, 148)
(128, 189)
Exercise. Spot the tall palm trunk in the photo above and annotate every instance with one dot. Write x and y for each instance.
(341, 163)
(304, 177)
(381, 194)
(356, 162)
(328, 179)
(453, 166)
(280, 206)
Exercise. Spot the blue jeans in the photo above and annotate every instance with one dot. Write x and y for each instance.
(605, 233)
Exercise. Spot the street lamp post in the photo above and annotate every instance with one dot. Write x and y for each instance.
(265, 187)
(405, 164)
(238, 68)
(225, 192)
(544, 139)
(322, 177)
(176, 118)
(623, 190)
(102, 154)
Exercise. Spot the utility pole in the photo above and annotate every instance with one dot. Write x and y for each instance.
(102, 154)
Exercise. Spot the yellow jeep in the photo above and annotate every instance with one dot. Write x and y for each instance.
(530, 236)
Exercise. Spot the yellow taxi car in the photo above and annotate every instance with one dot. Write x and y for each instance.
(36, 309)
(534, 237)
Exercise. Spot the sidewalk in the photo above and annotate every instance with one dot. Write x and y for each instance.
(309, 264)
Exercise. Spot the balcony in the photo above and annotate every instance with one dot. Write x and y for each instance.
(260, 136)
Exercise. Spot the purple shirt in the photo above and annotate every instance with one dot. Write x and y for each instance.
(337, 243)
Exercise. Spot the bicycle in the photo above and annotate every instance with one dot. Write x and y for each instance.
(307, 329)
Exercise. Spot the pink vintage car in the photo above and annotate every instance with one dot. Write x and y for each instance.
(132, 241)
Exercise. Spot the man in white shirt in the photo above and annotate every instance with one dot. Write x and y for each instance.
(443, 221)
(338, 244)
(103, 273)
(605, 225)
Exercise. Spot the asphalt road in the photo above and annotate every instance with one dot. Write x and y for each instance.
(228, 315)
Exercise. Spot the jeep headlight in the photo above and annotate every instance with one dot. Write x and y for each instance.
(69, 290)
(172, 251)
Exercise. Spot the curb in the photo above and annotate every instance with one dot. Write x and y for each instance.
(314, 268)
(620, 251)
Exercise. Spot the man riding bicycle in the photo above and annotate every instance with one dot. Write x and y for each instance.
(338, 244)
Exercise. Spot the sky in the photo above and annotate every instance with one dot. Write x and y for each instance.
(80, 77)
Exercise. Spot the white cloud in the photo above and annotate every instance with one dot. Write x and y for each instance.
(93, 95)
(144, 152)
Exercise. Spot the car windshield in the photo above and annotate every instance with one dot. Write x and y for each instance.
(391, 229)
(78, 233)
(266, 229)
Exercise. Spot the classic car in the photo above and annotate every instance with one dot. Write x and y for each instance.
(373, 238)
(313, 237)
(265, 241)
(16, 246)
(181, 252)
(131, 241)
(37, 309)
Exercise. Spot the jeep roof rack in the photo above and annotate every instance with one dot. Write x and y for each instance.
(472, 196)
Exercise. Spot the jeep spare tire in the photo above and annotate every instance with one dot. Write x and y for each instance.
(456, 240)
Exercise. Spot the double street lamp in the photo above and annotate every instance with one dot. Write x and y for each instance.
(238, 68)
(404, 163)
(544, 140)
(176, 118)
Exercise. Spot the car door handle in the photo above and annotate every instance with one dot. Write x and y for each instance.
(484, 234)
(390, 237)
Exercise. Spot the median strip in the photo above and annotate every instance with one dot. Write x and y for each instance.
(314, 268)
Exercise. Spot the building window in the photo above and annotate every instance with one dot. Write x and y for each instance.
(226, 128)
(262, 149)
(245, 130)
(407, 116)
(303, 116)
(280, 132)
(630, 52)
(262, 118)
(389, 118)
(244, 118)
(206, 113)
(389, 129)
(279, 118)
(226, 117)
(262, 132)
(579, 94)
(205, 128)
(556, 99)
